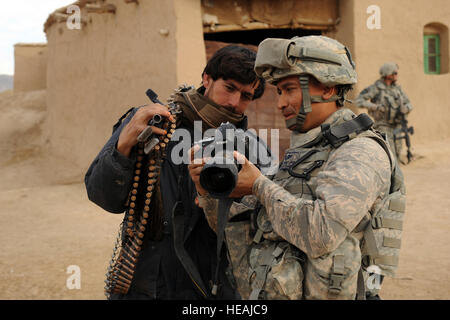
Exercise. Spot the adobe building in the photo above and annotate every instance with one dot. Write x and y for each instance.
(123, 47)
(30, 66)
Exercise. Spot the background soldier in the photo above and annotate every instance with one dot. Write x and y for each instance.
(175, 257)
(386, 103)
(315, 226)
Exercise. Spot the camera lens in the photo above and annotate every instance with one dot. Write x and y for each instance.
(219, 179)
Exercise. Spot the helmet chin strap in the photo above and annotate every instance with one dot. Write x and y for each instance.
(296, 124)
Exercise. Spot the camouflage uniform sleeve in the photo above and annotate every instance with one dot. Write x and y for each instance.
(364, 99)
(210, 207)
(354, 176)
(406, 101)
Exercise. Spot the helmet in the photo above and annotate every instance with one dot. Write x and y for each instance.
(388, 68)
(324, 58)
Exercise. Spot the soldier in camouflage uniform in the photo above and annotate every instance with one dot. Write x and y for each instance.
(314, 224)
(385, 102)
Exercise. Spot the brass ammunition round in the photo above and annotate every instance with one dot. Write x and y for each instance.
(147, 208)
(136, 178)
(134, 191)
(147, 201)
(133, 198)
(138, 248)
(118, 289)
(145, 215)
(137, 171)
(125, 280)
(132, 204)
(132, 251)
(124, 273)
(130, 271)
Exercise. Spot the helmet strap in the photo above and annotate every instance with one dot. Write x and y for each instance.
(296, 124)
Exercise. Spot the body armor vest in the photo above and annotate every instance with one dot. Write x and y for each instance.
(391, 100)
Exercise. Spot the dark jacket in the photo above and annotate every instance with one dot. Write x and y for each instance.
(159, 273)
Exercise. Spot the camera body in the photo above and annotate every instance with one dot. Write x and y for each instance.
(220, 173)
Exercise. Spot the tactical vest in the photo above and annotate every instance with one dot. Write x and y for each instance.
(272, 268)
(391, 100)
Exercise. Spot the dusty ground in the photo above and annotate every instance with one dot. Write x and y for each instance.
(47, 223)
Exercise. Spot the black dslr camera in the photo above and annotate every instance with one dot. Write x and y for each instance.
(220, 174)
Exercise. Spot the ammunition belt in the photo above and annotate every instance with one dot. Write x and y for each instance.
(132, 230)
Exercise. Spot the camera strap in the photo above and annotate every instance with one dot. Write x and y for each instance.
(178, 238)
(224, 208)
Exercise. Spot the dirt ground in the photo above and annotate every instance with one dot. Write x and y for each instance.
(47, 223)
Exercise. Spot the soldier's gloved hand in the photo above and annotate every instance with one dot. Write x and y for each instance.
(137, 124)
(404, 109)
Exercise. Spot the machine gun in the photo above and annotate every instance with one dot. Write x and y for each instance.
(404, 132)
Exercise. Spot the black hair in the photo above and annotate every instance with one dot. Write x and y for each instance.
(235, 63)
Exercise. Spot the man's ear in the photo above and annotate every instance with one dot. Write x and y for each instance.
(206, 80)
(328, 92)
